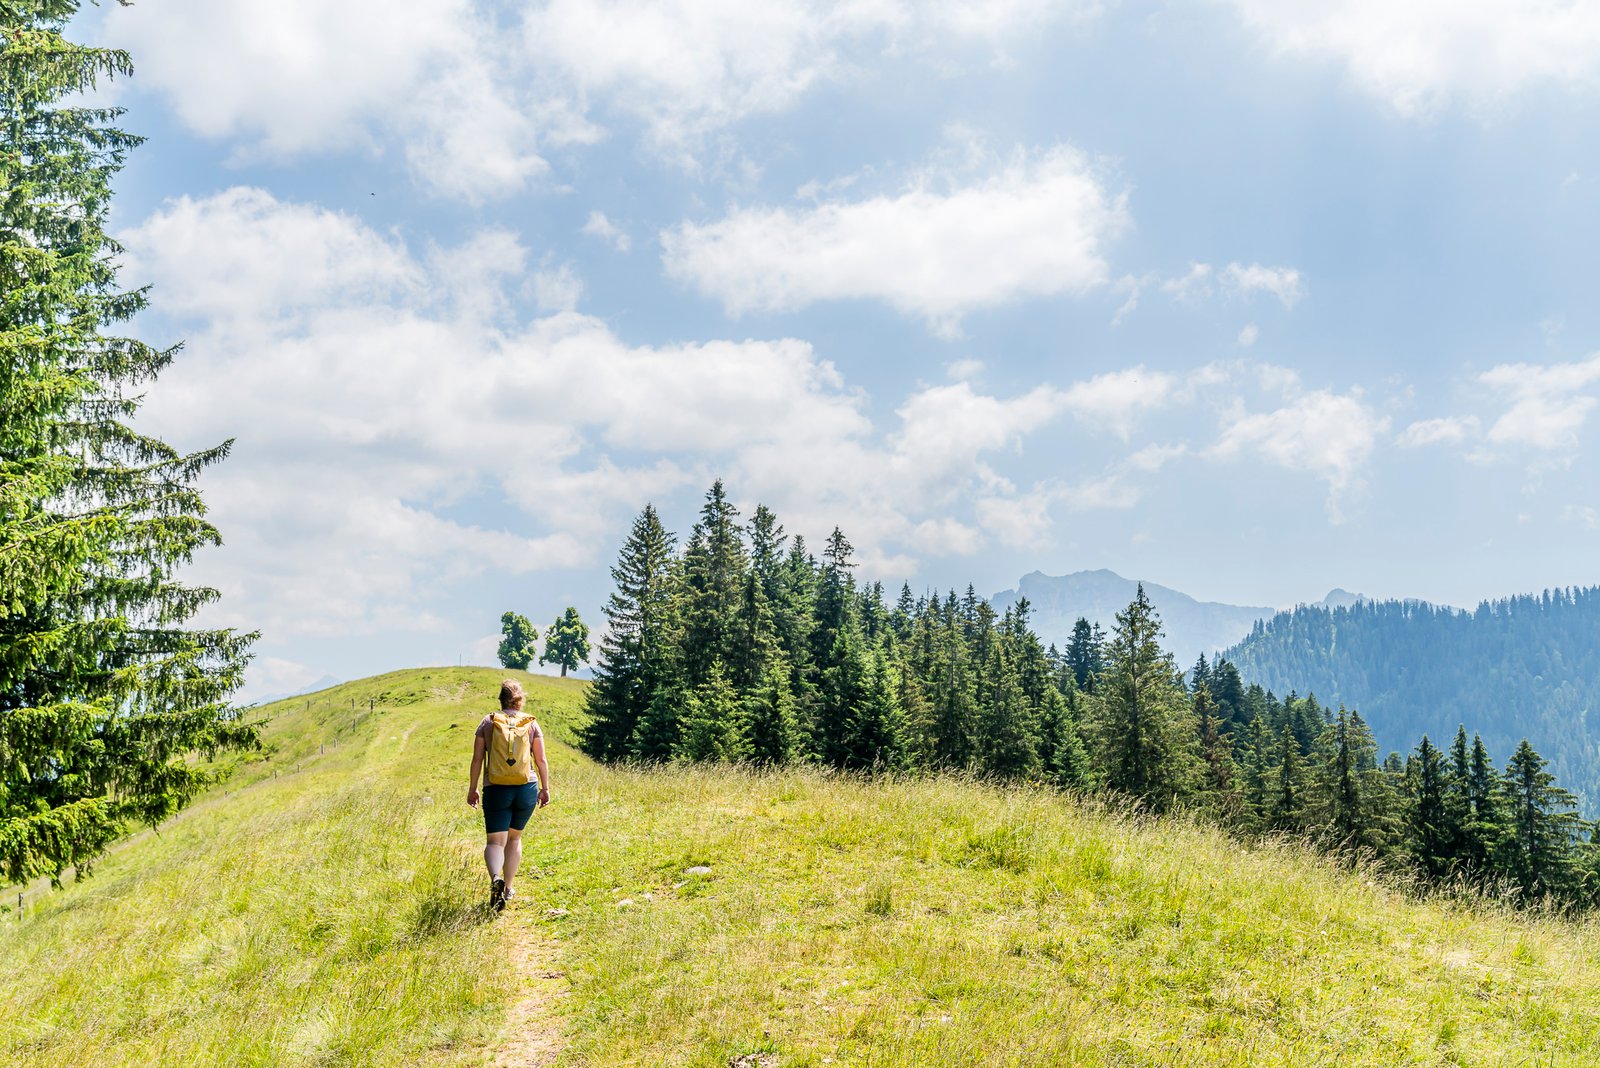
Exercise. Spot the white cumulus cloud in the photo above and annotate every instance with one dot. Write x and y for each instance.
(1331, 435)
(473, 94)
(1420, 55)
(1117, 400)
(1236, 281)
(399, 431)
(603, 228)
(685, 68)
(297, 76)
(1548, 403)
(1447, 430)
(1037, 225)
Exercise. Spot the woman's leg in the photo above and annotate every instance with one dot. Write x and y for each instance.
(513, 855)
(494, 853)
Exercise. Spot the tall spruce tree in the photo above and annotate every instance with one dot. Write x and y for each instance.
(1219, 789)
(1427, 818)
(1254, 756)
(1144, 729)
(105, 692)
(793, 602)
(1544, 826)
(839, 651)
(952, 697)
(1350, 800)
(1286, 802)
(1084, 654)
(1008, 730)
(1485, 825)
(638, 654)
(1228, 691)
(713, 573)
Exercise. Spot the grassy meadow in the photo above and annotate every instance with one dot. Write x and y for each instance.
(323, 907)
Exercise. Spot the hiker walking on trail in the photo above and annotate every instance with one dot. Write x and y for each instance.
(511, 744)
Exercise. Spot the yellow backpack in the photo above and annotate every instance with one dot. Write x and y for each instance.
(510, 756)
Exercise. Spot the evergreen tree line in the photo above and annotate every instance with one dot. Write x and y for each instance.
(745, 646)
(1526, 666)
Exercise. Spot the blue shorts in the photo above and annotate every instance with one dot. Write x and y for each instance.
(505, 807)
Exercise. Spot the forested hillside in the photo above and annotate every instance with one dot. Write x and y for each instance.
(1523, 667)
(745, 648)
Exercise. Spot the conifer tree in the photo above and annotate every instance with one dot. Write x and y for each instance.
(1254, 755)
(839, 651)
(875, 727)
(1219, 790)
(916, 712)
(1084, 654)
(713, 725)
(1144, 731)
(755, 639)
(840, 691)
(713, 583)
(1061, 748)
(1428, 833)
(952, 699)
(793, 605)
(1485, 828)
(1350, 798)
(1286, 801)
(659, 728)
(771, 720)
(905, 610)
(766, 550)
(1228, 691)
(639, 650)
(1544, 826)
(1008, 733)
(105, 693)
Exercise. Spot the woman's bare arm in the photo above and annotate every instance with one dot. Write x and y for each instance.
(476, 769)
(544, 769)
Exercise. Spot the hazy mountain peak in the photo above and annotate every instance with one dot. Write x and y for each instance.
(1190, 626)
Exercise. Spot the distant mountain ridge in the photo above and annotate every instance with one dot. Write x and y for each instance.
(1523, 667)
(321, 684)
(1191, 626)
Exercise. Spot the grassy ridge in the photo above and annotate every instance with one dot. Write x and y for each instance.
(329, 916)
(322, 910)
(910, 923)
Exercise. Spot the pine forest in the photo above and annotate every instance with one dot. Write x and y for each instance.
(1521, 667)
(746, 646)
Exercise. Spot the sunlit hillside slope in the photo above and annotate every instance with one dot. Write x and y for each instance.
(323, 908)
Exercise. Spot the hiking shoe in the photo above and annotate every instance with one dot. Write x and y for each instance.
(497, 894)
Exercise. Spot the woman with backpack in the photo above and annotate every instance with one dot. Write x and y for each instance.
(510, 746)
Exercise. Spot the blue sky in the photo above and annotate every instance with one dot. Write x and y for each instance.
(1252, 298)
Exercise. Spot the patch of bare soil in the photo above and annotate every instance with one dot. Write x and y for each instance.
(532, 1035)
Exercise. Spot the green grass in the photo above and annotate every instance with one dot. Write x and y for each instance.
(323, 908)
(329, 916)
